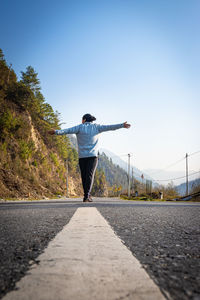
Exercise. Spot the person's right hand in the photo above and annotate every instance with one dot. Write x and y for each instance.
(126, 125)
(52, 132)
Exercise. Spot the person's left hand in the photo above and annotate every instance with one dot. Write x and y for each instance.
(126, 125)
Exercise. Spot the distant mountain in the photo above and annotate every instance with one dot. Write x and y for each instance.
(73, 141)
(124, 165)
(181, 189)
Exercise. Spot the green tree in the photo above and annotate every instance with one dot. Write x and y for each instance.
(7, 75)
(1, 55)
(114, 174)
(100, 184)
(20, 94)
(30, 79)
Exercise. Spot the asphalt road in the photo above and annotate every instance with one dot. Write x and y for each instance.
(164, 237)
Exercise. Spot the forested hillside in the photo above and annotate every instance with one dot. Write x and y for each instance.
(32, 163)
(116, 177)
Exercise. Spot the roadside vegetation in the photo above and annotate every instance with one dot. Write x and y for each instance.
(141, 191)
(163, 193)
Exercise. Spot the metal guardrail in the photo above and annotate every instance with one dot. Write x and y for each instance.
(186, 198)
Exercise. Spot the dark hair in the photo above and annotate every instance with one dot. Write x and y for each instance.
(89, 118)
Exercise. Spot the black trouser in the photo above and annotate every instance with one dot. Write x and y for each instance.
(88, 167)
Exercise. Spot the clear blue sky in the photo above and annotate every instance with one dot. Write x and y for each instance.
(118, 60)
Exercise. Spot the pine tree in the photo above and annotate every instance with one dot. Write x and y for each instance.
(1, 55)
(100, 184)
(30, 79)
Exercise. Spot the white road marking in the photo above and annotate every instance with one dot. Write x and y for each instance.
(86, 260)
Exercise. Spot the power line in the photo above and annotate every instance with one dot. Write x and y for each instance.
(194, 153)
(173, 164)
(176, 177)
(169, 166)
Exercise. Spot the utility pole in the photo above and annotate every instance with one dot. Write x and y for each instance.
(67, 182)
(129, 158)
(187, 190)
(132, 182)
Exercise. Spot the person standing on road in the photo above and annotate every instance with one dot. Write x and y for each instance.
(87, 137)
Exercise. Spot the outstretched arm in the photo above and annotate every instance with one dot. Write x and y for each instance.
(102, 128)
(71, 130)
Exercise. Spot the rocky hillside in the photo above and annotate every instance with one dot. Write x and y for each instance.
(32, 163)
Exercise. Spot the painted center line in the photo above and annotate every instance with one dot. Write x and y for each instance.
(86, 260)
